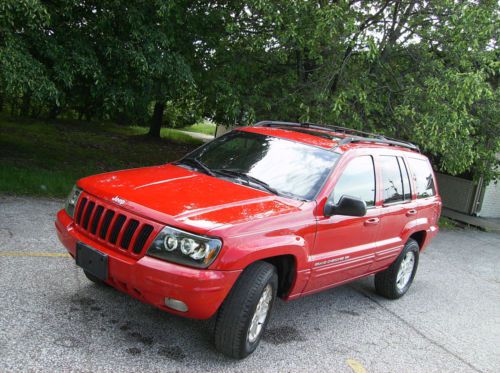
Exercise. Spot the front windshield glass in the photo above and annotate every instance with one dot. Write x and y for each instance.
(288, 167)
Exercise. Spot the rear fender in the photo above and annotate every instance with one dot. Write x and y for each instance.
(418, 225)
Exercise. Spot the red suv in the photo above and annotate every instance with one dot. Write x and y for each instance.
(272, 210)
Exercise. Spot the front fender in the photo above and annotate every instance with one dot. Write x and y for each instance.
(239, 253)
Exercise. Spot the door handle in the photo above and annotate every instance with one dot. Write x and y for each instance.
(372, 221)
(411, 212)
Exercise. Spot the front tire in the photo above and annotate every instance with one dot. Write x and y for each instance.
(245, 313)
(395, 281)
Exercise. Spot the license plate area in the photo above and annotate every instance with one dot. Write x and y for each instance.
(92, 261)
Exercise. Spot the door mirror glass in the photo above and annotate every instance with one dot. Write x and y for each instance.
(347, 205)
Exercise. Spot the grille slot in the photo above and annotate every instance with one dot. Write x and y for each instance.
(110, 225)
(105, 223)
(115, 231)
(88, 213)
(80, 210)
(128, 234)
(141, 239)
(97, 218)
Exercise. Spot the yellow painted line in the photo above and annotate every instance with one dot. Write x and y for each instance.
(34, 254)
(356, 366)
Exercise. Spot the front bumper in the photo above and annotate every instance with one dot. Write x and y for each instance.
(152, 280)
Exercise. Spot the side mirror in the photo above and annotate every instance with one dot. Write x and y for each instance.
(347, 205)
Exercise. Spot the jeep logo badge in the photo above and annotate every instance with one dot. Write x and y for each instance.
(118, 200)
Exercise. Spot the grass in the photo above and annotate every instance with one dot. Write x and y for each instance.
(46, 158)
(205, 127)
(445, 223)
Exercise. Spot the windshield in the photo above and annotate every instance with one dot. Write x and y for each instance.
(286, 167)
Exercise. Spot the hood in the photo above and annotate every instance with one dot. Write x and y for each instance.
(172, 194)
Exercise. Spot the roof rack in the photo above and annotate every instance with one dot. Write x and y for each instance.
(357, 136)
(380, 140)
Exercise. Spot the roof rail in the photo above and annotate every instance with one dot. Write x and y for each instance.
(358, 136)
(380, 140)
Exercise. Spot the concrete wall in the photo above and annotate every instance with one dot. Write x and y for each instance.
(490, 207)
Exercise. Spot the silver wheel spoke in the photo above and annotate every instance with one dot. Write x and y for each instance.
(260, 315)
(405, 270)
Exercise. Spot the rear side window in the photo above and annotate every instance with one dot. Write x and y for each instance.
(406, 179)
(357, 180)
(395, 179)
(392, 182)
(422, 174)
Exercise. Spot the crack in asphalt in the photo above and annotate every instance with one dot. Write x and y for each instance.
(408, 324)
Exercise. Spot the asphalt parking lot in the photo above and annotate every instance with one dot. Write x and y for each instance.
(53, 319)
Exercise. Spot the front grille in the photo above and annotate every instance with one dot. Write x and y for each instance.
(105, 224)
(113, 227)
(117, 227)
(129, 232)
(79, 213)
(86, 216)
(142, 238)
(96, 219)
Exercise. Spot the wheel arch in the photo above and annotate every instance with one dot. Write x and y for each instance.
(420, 237)
(286, 266)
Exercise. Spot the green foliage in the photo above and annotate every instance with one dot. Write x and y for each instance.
(448, 224)
(422, 71)
(425, 71)
(22, 76)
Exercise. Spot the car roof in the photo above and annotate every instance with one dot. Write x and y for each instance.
(323, 138)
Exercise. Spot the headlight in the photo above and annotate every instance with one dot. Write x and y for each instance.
(72, 200)
(182, 247)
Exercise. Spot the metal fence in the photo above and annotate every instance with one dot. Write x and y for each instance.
(458, 194)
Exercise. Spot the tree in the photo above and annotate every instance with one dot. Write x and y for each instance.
(425, 71)
(419, 70)
(113, 58)
(24, 80)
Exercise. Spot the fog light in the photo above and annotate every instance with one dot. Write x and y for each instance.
(176, 304)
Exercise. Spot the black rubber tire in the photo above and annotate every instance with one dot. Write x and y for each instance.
(94, 279)
(385, 281)
(235, 314)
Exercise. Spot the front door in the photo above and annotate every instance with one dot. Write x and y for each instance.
(345, 245)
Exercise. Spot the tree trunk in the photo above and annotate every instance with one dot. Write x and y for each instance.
(157, 119)
(13, 107)
(54, 112)
(25, 107)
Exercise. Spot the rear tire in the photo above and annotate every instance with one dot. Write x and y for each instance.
(395, 281)
(245, 313)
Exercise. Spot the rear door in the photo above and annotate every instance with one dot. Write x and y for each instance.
(428, 201)
(345, 245)
(399, 208)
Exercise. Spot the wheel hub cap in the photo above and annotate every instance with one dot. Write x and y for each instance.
(405, 270)
(260, 314)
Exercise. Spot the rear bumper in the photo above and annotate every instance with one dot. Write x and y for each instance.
(151, 280)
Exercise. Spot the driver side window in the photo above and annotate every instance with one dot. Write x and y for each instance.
(357, 180)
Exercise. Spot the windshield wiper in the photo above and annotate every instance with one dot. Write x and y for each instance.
(198, 164)
(247, 177)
